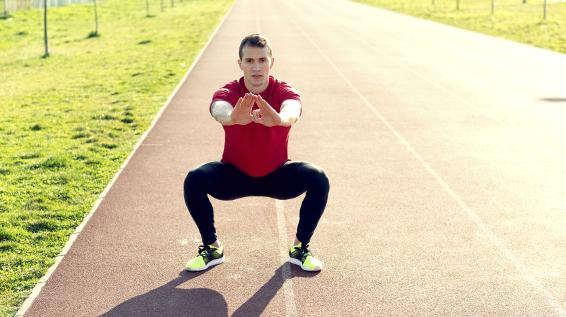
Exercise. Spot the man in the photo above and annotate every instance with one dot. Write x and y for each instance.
(256, 113)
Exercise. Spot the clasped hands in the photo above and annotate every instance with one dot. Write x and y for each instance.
(265, 115)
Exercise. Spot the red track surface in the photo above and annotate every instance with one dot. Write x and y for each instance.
(445, 150)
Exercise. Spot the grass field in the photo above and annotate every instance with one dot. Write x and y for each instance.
(511, 19)
(68, 121)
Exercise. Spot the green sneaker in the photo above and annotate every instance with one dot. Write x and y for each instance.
(302, 257)
(207, 257)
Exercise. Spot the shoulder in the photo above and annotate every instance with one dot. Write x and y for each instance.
(229, 92)
(284, 90)
(233, 86)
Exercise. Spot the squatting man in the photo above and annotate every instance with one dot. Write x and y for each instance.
(257, 112)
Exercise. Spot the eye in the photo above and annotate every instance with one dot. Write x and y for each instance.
(249, 60)
(262, 60)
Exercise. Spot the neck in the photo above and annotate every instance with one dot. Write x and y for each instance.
(256, 89)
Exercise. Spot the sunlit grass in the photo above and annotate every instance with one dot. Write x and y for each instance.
(511, 19)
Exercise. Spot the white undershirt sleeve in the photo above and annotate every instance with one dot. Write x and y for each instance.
(221, 111)
(290, 112)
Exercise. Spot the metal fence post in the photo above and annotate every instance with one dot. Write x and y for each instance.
(95, 19)
(45, 29)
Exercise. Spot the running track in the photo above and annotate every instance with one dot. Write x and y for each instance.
(446, 155)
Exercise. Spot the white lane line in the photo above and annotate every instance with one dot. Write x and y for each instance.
(420, 75)
(467, 209)
(290, 305)
(288, 293)
(549, 151)
(37, 288)
(546, 149)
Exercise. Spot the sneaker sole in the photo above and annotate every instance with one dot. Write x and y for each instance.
(209, 264)
(297, 262)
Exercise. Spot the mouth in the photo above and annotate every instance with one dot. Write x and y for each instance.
(257, 76)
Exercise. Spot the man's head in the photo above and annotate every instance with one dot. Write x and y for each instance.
(255, 40)
(255, 61)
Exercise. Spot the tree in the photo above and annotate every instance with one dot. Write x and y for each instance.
(46, 54)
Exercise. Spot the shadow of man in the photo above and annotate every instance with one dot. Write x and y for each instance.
(554, 99)
(168, 300)
(259, 301)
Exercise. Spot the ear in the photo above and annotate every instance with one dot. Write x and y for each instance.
(239, 63)
(272, 61)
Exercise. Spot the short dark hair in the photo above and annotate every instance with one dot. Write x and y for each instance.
(255, 40)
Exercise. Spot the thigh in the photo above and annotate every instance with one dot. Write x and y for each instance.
(290, 180)
(224, 181)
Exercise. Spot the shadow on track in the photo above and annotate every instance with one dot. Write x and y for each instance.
(168, 300)
(257, 303)
(554, 99)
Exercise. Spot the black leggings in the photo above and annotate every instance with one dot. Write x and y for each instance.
(226, 182)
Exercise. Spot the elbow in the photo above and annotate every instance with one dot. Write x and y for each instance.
(289, 121)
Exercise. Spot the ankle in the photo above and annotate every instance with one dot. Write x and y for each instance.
(216, 244)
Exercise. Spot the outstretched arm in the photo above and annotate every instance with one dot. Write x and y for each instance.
(266, 115)
(290, 112)
(221, 111)
(224, 113)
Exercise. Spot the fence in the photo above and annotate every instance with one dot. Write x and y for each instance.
(15, 5)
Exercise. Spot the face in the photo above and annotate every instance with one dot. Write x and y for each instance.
(256, 64)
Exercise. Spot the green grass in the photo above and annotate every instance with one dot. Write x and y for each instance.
(511, 19)
(68, 121)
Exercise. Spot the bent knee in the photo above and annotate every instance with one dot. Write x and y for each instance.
(194, 179)
(318, 178)
(322, 181)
